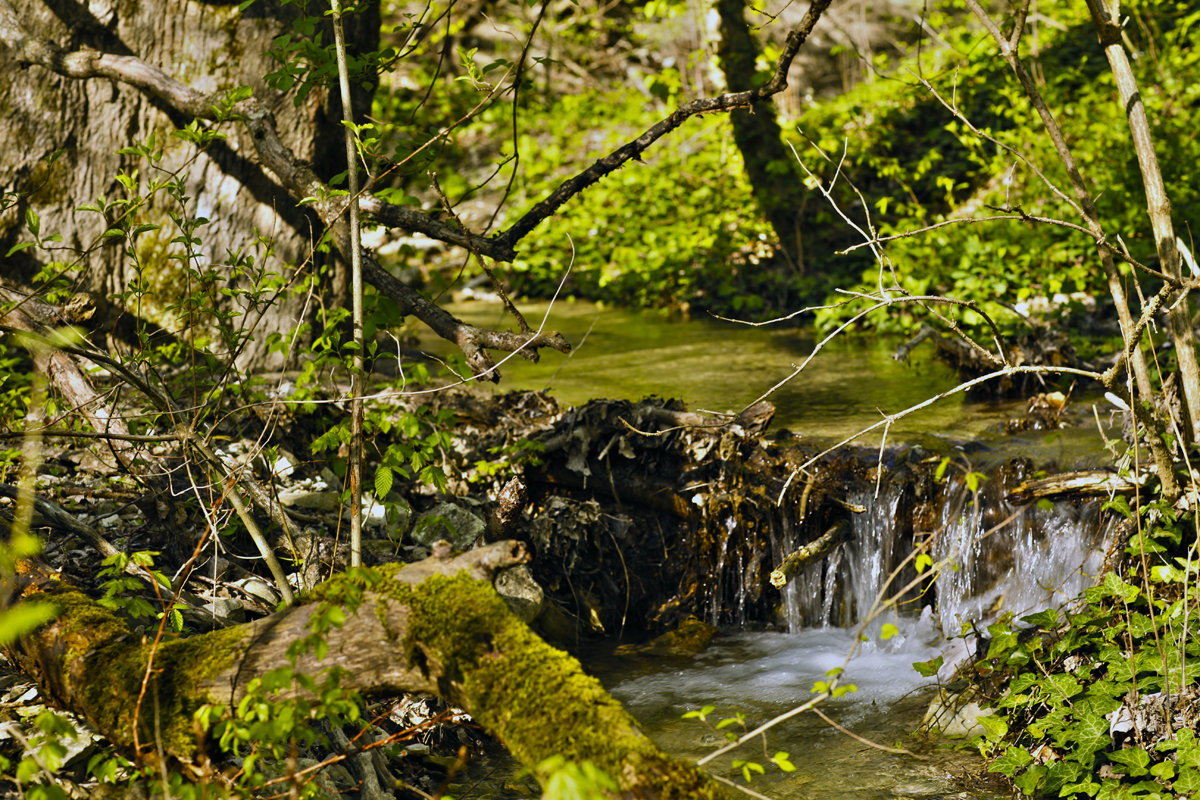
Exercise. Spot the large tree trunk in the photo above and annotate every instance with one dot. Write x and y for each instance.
(433, 626)
(211, 46)
(758, 136)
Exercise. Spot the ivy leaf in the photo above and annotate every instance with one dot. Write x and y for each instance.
(1133, 761)
(1014, 759)
(1046, 620)
(995, 726)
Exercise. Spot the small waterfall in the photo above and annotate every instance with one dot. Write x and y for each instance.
(994, 557)
(872, 548)
(1032, 559)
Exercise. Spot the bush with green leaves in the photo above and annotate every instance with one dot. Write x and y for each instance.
(682, 230)
(1100, 699)
(916, 165)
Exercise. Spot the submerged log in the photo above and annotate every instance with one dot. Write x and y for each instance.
(808, 553)
(435, 626)
(1088, 483)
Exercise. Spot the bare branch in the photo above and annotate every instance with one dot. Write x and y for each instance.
(633, 150)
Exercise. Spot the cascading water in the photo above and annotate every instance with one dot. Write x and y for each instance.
(990, 557)
(1036, 558)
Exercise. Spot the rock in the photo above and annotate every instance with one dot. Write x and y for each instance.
(955, 716)
(379, 551)
(258, 589)
(522, 593)
(689, 639)
(306, 498)
(447, 521)
(393, 514)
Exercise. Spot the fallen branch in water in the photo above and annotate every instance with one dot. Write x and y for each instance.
(1088, 483)
(809, 552)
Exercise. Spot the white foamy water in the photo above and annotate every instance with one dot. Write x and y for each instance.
(763, 671)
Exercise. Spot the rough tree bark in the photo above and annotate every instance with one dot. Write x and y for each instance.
(210, 46)
(280, 164)
(435, 626)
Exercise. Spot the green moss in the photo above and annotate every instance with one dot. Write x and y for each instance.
(535, 698)
(184, 667)
(103, 665)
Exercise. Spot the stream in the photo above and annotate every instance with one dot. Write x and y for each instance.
(1041, 556)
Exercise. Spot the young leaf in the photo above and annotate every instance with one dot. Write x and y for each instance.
(928, 669)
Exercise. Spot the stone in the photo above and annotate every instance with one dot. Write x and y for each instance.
(306, 498)
(447, 521)
(955, 716)
(521, 592)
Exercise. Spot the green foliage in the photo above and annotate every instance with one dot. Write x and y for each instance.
(748, 768)
(123, 592)
(680, 230)
(24, 617)
(916, 165)
(563, 780)
(1070, 678)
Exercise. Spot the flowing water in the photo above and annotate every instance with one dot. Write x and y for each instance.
(994, 557)
(720, 366)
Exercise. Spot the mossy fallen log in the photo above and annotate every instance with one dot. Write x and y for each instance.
(436, 626)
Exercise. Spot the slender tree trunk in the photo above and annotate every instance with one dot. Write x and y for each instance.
(757, 134)
(1158, 206)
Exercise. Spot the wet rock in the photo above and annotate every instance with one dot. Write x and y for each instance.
(689, 639)
(521, 592)
(955, 716)
(447, 521)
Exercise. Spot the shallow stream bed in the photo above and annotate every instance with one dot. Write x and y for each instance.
(763, 674)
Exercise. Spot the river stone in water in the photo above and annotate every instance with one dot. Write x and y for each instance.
(448, 521)
(955, 716)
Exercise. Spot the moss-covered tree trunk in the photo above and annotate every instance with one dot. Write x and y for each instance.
(64, 136)
(757, 134)
(435, 626)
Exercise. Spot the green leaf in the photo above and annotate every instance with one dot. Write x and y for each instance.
(783, 761)
(888, 631)
(940, 472)
(995, 726)
(1132, 761)
(1046, 620)
(1012, 761)
(32, 222)
(383, 481)
(24, 618)
(928, 669)
(1188, 780)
